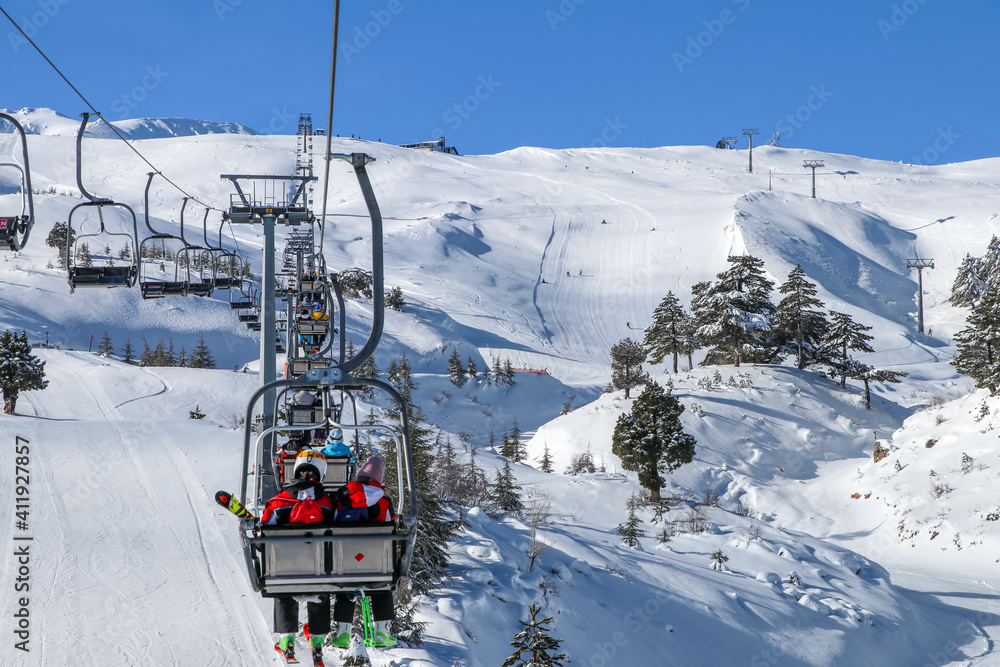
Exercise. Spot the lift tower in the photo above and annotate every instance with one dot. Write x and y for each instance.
(749, 134)
(813, 164)
(920, 265)
(290, 207)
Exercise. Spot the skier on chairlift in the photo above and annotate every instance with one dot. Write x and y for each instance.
(301, 501)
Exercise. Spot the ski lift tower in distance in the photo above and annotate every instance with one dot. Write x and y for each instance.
(291, 209)
(920, 265)
(749, 134)
(813, 164)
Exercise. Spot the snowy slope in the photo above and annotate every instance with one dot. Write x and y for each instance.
(470, 240)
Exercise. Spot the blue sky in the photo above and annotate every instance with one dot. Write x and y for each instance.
(910, 80)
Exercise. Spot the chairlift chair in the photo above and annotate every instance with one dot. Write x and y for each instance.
(308, 559)
(159, 249)
(14, 229)
(79, 273)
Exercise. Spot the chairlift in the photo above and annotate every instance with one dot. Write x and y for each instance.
(161, 249)
(14, 229)
(308, 559)
(80, 266)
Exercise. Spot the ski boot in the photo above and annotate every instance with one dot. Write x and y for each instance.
(316, 646)
(383, 636)
(342, 635)
(286, 649)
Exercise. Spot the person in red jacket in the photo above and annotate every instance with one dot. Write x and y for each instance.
(364, 500)
(301, 501)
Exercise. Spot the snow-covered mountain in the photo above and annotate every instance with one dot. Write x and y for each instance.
(51, 123)
(833, 559)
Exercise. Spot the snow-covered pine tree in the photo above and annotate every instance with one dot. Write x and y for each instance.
(506, 449)
(456, 371)
(20, 370)
(435, 526)
(159, 355)
(394, 299)
(57, 239)
(505, 495)
(535, 641)
(798, 326)
(978, 344)
(182, 358)
(626, 365)
(471, 371)
(169, 358)
(844, 335)
(517, 451)
(105, 347)
(545, 465)
(631, 530)
(733, 315)
(146, 358)
(868, 374)
(968, 287)
(201, 356)
(989, 265)
(127, 352)
(671, 331)
(650, 440)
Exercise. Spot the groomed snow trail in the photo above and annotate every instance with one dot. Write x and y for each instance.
(122, 530)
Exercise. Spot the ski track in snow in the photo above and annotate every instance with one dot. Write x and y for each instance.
(116, 509)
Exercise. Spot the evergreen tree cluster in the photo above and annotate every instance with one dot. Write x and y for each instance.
(975, 275)
(162, 355)
(459, 373)
(735, 319)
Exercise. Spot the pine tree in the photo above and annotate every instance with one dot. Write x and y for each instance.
(105, 347)
(394, 299)
(505, 496)
(471, 371)
(843, 335)
(799, 327)
(968, 287)
(630, 530)
(160, 355)
(651, 440)
(83, 256)
(201, 356)
(20, 370)
(57, 239)
(978, 345)
(146, 358)
(989, 266)
(506, 450)
(868, 374)
(455, 369)
(435, 527)
(169, 359)
(734, 314)
(182, 359)
(517, 451)
(475, 487)
(671, 331)
(626, 365)
(127, 352)
(535, 641)
(508, 373)
(545, 465)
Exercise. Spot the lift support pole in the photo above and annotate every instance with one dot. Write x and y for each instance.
(920, 265)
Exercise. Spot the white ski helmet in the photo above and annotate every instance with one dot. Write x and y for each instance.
(312, 458)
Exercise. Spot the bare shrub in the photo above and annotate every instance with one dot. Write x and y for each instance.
(744, 508)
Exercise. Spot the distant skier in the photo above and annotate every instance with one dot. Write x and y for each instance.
(581, 272)
(567, 274)
(604, 222)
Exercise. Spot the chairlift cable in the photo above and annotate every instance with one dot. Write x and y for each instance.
(98, 113)
(329, 127)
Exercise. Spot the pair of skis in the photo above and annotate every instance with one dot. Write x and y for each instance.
(317, 659)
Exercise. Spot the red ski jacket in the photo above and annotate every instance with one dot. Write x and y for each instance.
(302, 501)
(358, 496)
